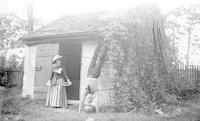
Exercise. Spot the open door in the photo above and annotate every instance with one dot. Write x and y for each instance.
(71, 53)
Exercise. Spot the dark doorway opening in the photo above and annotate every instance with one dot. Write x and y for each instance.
(71, 53)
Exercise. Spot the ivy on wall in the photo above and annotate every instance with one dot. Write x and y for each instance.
(140, 54)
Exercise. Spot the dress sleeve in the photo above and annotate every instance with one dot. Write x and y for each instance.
(64, 72)
(51, 75)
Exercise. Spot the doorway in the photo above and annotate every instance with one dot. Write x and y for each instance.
(71, 53)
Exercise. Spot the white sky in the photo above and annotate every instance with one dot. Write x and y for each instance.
(48, 10)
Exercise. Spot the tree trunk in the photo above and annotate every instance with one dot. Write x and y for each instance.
(30, 16)
(161, 70)
(188, 49)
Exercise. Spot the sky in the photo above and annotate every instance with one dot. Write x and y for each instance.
(49, 10)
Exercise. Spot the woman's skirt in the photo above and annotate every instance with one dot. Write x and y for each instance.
(56, 95)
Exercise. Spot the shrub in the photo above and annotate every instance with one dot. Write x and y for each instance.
(7, 68)
(4, 79)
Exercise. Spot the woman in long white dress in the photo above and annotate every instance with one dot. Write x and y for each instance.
(57, 95)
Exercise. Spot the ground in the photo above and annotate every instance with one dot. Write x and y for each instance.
(32, 110)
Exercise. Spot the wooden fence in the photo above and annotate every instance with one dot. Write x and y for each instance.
(189, 73)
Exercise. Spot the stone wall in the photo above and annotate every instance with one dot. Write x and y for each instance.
(105, 85)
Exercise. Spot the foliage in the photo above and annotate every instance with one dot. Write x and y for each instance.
(184, 82)
(15, 61)
(11, 29)
(182, 25)
(7, 67)
(140, 53)
(4, 79)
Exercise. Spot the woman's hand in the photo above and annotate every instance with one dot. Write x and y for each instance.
(48, 83)
(70, 83)
(66, 83)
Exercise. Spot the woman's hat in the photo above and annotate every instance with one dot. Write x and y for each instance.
(57, 57)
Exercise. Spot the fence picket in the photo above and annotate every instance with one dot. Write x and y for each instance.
(190, 73)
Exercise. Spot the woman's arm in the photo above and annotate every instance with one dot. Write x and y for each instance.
(51, 75)
(50, 79)
(64, 72)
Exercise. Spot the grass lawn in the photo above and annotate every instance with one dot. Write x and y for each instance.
(29, 110)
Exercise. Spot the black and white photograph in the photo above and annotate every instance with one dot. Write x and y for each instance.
(99, 60)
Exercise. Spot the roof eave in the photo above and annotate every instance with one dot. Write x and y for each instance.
(61, 37)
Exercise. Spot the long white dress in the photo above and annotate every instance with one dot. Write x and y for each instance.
(57, 95)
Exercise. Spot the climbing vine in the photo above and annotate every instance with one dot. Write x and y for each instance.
(140, 54)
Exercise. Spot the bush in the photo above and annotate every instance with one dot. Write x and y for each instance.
(4, 79)
(10, 77)
(7, 68)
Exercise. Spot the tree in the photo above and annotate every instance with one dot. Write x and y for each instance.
(182, 24)
(11, 29)
(30, 16)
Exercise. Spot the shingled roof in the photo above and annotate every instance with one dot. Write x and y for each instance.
(83, 24)
(74, 24)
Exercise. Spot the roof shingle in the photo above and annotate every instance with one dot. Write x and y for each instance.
(74, 24)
